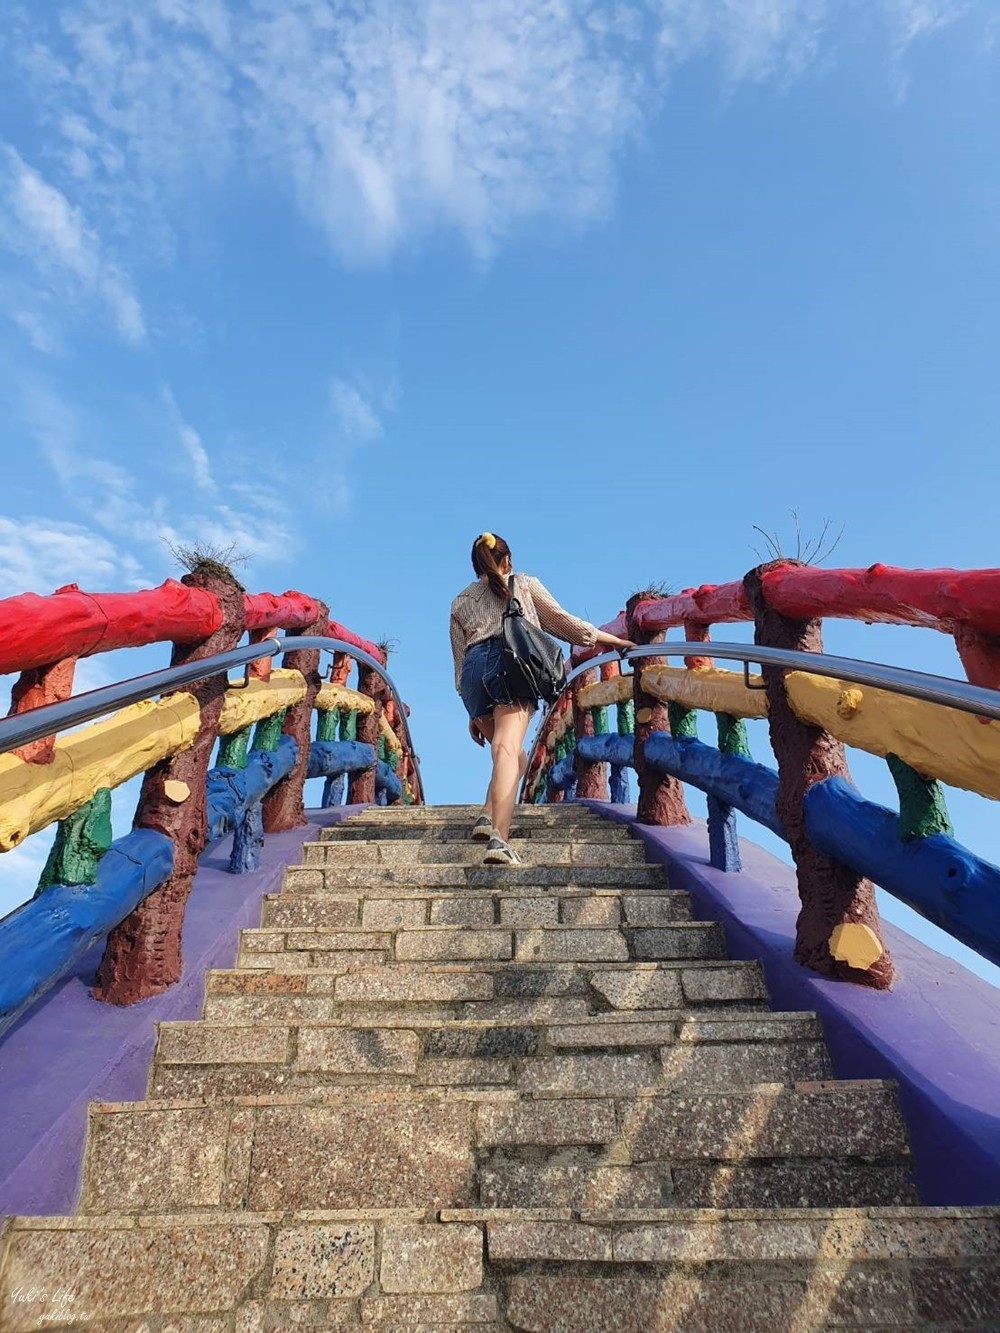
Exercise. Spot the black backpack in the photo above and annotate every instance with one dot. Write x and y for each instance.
(533, 664)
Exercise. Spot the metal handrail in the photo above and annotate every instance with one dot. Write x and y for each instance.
(899, 680)
(51, 718)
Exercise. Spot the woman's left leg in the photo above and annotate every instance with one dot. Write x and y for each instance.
(485, 726)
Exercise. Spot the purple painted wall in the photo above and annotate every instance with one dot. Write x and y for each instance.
(937, 1032)
(69, 1050)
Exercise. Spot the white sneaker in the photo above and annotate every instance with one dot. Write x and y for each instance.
(482, 829)
(499, 854)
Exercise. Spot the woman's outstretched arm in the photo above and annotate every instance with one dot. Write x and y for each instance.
(554, 620)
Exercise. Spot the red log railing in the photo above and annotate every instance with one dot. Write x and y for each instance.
(786, 602)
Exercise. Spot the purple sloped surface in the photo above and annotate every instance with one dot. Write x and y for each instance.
(68, 1049)
(937, 1032)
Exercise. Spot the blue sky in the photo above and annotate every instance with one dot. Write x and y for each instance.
(346, 284)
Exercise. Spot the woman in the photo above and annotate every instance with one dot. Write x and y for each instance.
(476, 616)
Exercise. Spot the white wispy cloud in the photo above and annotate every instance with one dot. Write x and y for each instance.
(37, 330)
(143, 521)
(39, 555)
(755, 40)
(355, 415)
(192, 447)
(39, 222)
(386, 121)
(911, 19)
(356, 425)
(197, 455)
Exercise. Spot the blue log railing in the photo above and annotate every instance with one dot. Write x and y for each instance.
(931, 872)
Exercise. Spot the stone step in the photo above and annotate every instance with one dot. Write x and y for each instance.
(439, 1095)
(698, 1271)
(430, 814)
(486, 989)
(379, 852)
(383, 1268)
(459, 827)
(290, 950)
(505, 878)
(805, 1146)
(594, 831)
(694, 1270)
(216, 1059)
(385, 909)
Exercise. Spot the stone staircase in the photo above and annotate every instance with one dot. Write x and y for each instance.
(436, 1095)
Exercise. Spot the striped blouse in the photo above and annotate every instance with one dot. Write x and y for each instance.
(477, 611)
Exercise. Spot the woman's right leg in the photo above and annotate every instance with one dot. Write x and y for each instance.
(510, 724)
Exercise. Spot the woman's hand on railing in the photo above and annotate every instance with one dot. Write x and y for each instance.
(606, 640)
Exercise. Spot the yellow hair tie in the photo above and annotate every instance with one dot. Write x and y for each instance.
(488, 538)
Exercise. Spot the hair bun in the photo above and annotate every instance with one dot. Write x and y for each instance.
(487, 539)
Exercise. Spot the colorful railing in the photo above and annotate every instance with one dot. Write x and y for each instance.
(928, 730)
(133, 889)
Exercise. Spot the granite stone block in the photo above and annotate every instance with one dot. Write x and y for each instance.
(767, 1122)
(729, 1065)
(827, 1183)
(337, 941)
(431, 1259)
(217, 1044)
(573, 1185)
(645, 987)
(393, 913)
(464, 1073)
(255, 983)
(572, 1303)
(591, 911)
(114, 1272)
(414, 987)
(594, 1074)
(381, 1154)
(656, 910)
(527, 1010)
(548, 1123)
(480, 1043)
(428, 1312)
(569, 945)
(357, 1051)
(453, 944)
(566, 1241)
(529, 911)
(521, 982)
(603, 1032)
(965, 1295)
(715, 985)
(313, 912)
(154, 1160)
(473, 913)
(695, 939)
(316, 1262)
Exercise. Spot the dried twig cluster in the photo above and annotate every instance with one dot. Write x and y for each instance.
(808, 550)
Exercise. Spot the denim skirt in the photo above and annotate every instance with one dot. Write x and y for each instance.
(483, 683)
